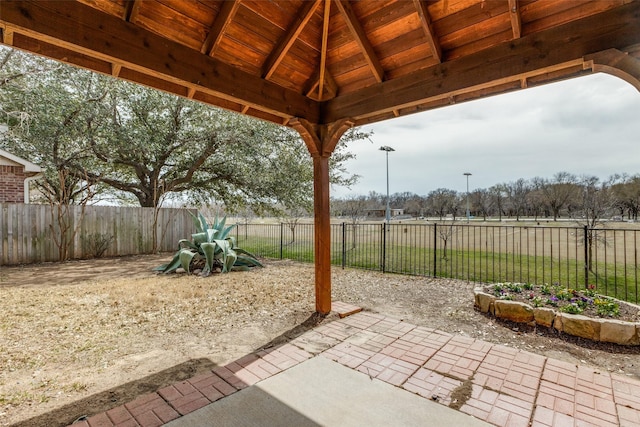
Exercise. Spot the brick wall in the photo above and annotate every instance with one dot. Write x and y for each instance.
(12, 184)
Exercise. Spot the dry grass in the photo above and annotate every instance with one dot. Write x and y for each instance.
(72, 332)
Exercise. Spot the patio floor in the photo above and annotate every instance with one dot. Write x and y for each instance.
(493, 383)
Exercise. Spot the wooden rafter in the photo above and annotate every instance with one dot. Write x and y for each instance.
(324, 47)
(111, 40)
(516, 20)
(131, 10)
(524, 57)
(277, 55)
(224, 18)
(427, 26)
(361, 38)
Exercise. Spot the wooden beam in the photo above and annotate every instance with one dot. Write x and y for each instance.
(516, 19)
(277, 55)
(220, 24)
(323, 48)
(617, 63)
(361, 38)
(321, 142)
(427, 26)
(131, 8)
(558, 47)
(83, 29)
(330, 89)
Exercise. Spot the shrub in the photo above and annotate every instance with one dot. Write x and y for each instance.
(210, 247)
(96, 244)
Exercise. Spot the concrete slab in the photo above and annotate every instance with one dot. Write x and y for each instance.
(320, 392)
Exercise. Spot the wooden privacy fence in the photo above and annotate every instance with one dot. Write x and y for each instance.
(26, 232)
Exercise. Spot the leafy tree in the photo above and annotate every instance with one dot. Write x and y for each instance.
(148, 146)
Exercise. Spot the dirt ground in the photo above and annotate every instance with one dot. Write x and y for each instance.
(80, 337)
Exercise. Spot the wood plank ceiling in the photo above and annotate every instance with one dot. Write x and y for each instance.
(327, 60)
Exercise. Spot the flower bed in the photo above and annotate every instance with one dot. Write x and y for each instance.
(582, 313)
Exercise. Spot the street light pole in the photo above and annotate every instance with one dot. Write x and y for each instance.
(467, 174)
(387, 149)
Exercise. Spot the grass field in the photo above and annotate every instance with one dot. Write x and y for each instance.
(479, 253)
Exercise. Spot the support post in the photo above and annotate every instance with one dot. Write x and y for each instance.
(321, 141)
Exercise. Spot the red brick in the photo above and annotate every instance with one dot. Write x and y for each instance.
(100, 420)
(166, 413)
(119, 415)
(148, 419)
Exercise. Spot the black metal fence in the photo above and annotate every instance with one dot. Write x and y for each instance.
(570, 256)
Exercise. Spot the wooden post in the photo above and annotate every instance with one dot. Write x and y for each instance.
(321, 141)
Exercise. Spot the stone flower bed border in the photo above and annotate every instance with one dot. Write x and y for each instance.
(596, 329)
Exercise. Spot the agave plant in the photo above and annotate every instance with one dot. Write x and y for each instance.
(212, 245)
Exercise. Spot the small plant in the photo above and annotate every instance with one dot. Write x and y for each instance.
(572, 308)
(552, 301)
(506, 297)
(545, 289)
(210, 247)
(498, 289)
(563, 294)
(607, 307)
(96, 244)
(590, 291)
(527, 286)
(514, 287)
(537, 302)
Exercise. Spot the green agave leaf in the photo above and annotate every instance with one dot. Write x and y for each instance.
(209, 250)
(186, 255)
(203, 222)
(242, 251)
(229, 261)
(171, 266)
(211, 235)
(246, 261)
(237, 267)
(200, 238)
(185, 243)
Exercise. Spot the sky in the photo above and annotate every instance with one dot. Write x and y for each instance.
(586, 126)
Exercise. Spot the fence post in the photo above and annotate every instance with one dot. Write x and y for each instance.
(586, 257)
(281, 239)
(435, 250)
(344, 247)
(384, 247)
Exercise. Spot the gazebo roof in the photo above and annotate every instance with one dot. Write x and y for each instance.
(329, 60)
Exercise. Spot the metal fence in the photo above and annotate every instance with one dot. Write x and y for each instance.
(570, 256)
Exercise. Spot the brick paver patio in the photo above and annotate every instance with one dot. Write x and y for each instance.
(498, 384)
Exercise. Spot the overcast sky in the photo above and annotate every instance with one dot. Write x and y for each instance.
(589, 125)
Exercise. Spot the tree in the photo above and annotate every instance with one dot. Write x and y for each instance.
(517, 196)
(559, 192)
(147, 145)
(626, 193)
(481, 201)
(442, 201)
(355, 207)
(596, 203)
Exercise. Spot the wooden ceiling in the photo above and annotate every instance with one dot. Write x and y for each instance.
(328, 60)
